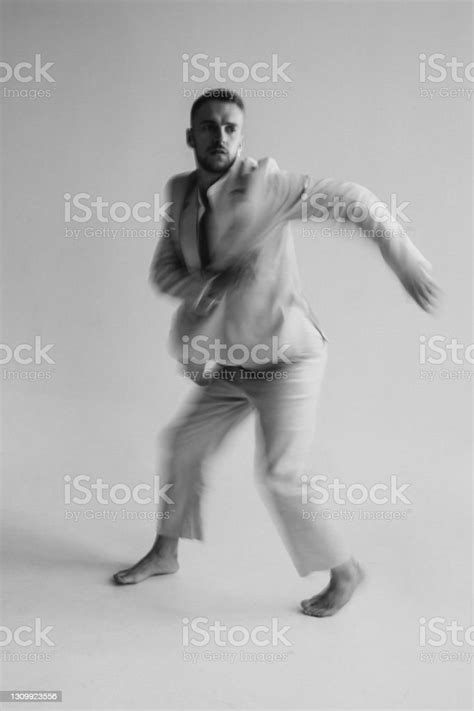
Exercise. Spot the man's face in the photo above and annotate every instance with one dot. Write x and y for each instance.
(216, 135)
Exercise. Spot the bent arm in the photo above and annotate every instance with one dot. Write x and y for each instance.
(169, 273)
(170, 276)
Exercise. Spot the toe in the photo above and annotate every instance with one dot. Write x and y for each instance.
(320, 611)
(119, 577)
(312, 611)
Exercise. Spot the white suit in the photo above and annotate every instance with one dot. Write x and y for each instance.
(252, 205)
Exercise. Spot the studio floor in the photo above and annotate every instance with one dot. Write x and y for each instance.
(124, 647)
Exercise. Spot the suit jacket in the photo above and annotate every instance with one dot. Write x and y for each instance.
(263, 316)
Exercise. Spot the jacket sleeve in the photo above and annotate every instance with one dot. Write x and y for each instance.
(275, 195)
(168, 272)
(333, 199)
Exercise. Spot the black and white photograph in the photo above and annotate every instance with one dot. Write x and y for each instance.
(236, 355)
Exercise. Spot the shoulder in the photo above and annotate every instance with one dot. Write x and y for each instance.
(178, 183)
(264, 172)
(263, 166)
(285, 186)
(268, 168)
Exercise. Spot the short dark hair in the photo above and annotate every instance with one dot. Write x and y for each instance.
(216, 95)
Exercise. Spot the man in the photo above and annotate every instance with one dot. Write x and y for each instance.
(245, 330)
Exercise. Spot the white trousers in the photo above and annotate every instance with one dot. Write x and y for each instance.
(286, 416)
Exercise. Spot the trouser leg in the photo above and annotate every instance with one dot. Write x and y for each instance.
(286, 419)
(192, 440)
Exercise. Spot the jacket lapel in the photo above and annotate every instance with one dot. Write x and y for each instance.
(187, 222)
(187, 209)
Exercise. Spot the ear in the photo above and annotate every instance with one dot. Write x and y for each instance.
(190, 137)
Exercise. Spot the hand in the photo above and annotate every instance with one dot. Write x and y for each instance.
(206, 304)
(421, 286)
(221, 282)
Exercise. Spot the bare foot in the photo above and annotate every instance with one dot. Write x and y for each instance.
(161, 560)
(345, 579)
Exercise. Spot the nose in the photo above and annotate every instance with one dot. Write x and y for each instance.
(220, 135)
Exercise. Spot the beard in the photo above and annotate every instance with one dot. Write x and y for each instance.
(212, 164)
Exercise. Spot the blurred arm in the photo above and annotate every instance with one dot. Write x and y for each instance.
(169, 274)
(338, 200)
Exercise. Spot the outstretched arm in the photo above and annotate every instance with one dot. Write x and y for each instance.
(346, 200)
(268, 196)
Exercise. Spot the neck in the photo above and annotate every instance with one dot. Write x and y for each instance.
(206, 179)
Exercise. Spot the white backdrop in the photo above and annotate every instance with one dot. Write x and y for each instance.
(114, 126)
